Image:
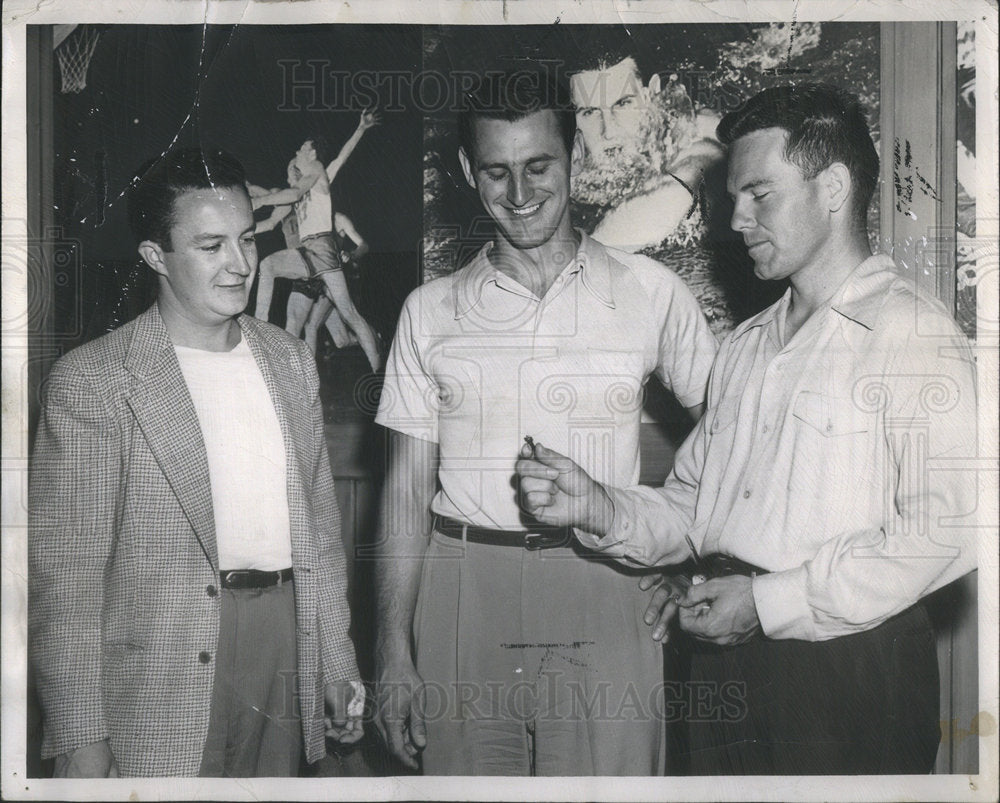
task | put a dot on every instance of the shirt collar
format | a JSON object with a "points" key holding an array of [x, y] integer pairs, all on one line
{"points": [[766, 317], [596, 265], [591, 261], [467, 287], [858, 299], [863, 292]]}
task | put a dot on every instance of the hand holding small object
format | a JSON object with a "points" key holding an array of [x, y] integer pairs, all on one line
{"points": [[556, 491]]}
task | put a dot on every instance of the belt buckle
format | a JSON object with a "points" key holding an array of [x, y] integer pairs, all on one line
{"points": [[535, 541], [227, 578]]}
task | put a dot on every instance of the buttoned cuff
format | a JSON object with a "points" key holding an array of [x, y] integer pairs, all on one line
{"points": [[611, 544], [606, 545], [782, 605], [619, 542]]}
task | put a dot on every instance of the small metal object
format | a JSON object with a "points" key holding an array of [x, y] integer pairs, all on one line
{"points": [[698, 563], [531, 444]]}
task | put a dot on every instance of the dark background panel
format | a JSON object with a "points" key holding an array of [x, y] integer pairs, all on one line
{"points": [[258, 92]]}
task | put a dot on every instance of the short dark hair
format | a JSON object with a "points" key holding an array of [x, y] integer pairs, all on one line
{"points": [[321, 145], [600, 48], [512, 95], [825, 124], [162, 179]]}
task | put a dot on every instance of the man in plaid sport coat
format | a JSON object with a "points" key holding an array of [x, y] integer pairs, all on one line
{"points": [[144, 484]]}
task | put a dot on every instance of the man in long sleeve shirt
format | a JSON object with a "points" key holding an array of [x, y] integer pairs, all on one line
{"points": [[823, 493]]}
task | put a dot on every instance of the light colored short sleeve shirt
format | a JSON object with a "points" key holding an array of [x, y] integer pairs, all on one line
{"points": [[246, 457], [479, 362]]}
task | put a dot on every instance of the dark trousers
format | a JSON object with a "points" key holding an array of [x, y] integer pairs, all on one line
{"points": [[254, 727], [867, 703]]}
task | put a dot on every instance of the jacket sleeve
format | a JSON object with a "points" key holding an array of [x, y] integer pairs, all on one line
{"points": [[337, 656], [74, 486]]}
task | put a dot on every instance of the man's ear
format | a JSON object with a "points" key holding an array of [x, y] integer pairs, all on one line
{"points": [[837, 182], [152, 255], [653, 87], [467, 168], [577, 154]]}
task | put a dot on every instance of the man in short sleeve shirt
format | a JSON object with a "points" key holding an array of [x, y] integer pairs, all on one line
{"points": [[529, 657]]}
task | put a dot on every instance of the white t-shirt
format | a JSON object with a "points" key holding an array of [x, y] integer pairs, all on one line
{"points": [[246, 457]]}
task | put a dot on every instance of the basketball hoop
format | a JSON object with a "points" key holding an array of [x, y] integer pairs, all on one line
{"points": [[74, 54]]}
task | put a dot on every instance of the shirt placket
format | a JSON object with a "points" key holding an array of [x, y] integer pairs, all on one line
{"points": [[779, 381], [543, 335], [767, 363]]}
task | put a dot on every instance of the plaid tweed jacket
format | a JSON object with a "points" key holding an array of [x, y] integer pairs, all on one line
{"points": [[122, 550]]}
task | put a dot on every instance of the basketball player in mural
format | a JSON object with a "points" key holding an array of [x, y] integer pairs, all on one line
{"points": [[318, 253], [310, 308]]}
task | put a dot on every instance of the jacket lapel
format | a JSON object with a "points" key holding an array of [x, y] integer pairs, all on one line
{"points": [[162, 406]]}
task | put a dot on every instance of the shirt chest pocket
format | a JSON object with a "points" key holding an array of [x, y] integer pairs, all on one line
{"points": [[832, 453], [724, 416], [830, 416]]}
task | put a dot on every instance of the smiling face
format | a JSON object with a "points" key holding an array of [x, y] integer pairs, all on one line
{"points": [[781, 213], [522, 173], [613, 109], [205, 279]]}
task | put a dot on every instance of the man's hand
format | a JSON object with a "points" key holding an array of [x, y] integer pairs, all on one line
{"points": [[93, 760], [556, 491], [721, 611], [665, 602], [343, 721], [369, 119], [398, 717]]}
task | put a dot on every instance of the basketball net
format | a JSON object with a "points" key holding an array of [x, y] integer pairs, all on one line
{"points": [[74, 57]]}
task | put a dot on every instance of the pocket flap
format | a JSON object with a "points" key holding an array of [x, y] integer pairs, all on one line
{"points": [[831, 416], [725, 415]]}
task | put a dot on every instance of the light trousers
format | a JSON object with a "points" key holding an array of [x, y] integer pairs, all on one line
{"points": [[536, 663]]}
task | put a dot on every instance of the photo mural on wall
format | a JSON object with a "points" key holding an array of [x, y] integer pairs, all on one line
{"points": [[648, 100]]}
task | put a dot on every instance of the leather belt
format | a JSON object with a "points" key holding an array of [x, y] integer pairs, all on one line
{"points": [[253, 578], [539, 538]]}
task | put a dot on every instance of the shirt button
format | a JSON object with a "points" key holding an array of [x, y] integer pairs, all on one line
{"points": [[204, 657], [211, 591], [746, 494], [766, 428]]}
